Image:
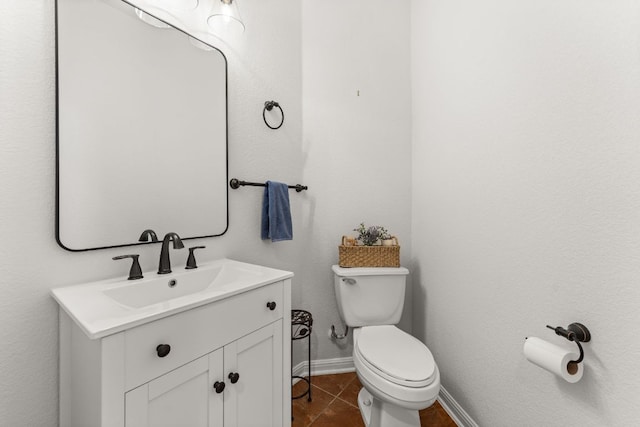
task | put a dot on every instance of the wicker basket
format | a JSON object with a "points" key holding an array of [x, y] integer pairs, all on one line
{"points": [[369, 256]]}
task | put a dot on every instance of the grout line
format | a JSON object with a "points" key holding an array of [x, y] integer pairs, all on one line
{"points": [[348, 403], [321, 389], [335, 397], [322, 412], [330, 393], [343, 390]]}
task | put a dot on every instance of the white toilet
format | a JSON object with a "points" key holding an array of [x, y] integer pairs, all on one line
{"points": [[397, 371]]}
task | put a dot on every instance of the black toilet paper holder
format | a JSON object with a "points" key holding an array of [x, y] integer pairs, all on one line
{"points": [[575, 332]]}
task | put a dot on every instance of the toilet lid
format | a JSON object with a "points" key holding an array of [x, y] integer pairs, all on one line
{"points": [[396, 355]]}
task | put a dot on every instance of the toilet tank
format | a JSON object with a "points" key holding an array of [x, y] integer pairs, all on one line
{"points": [[370, 296]]}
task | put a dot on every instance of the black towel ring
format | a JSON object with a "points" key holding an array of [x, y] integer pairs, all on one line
{"points": [[268, 106]]}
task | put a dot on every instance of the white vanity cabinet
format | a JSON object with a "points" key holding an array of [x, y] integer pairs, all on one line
{"points": [[238, 385], [180, 397], [225, 363]]}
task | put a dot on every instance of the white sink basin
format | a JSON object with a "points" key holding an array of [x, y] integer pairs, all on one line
{"points": [[161, 288], [109, 306], [165, 287]]}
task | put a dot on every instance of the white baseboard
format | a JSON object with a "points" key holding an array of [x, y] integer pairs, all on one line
{"points": [[338, 365], [455, 411], [345, 364]]}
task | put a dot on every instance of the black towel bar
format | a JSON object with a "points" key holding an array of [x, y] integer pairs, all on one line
{"points": [[236, 183]]}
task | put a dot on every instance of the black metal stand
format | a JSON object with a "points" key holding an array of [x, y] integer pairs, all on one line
{"points": [[301, 324]]}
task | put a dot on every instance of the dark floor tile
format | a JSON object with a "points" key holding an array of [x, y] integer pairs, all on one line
{"points": [[339, 413], [300, 387], [436, 416], [350, 392], [304, 412], [333, 384], [325, 410]]}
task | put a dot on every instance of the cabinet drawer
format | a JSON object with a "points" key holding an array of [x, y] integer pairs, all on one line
{"points": [[196, 332]]}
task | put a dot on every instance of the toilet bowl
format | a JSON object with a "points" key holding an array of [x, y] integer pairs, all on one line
{"points": [[398, 374]]}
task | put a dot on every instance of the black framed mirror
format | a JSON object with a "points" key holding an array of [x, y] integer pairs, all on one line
{"points": [[141, 129]]}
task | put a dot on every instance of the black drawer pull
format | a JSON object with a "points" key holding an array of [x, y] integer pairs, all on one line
{"points": [[218, 386], [163, 350], [271, 305], [234, 377]]}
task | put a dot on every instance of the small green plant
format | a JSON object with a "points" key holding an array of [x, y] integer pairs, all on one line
{"points": [[369, 236], [384, 233]]}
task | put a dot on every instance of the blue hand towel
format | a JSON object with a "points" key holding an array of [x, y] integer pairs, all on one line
{"points": [[276, 213]]}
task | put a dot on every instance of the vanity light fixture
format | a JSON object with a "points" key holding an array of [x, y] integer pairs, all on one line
{"points": [[197, 18], [145, 17], [224, 18]]}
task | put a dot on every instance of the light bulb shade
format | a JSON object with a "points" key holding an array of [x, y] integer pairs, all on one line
{"points": [[224, 18], [177, 5]]}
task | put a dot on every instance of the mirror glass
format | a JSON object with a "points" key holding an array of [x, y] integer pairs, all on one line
{"points": [[141, 129]]}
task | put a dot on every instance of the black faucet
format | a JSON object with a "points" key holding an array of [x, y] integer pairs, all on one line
{"points": [[146, 234], [165, 263]]}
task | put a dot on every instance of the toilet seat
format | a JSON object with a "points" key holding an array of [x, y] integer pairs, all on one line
{"points": [[395, 356]]}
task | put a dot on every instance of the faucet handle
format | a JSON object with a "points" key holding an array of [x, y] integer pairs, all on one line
{"points": [[191, 260], [136, 271]]}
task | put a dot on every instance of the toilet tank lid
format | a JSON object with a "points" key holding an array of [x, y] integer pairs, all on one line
{"points": [[368, 271]]}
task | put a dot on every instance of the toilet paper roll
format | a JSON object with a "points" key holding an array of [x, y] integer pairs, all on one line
{"points": [[553, 358]]}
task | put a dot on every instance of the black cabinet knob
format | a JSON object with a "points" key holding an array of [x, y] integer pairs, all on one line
{"points": [[271, 305], [163, 350], [218, 386], [234, 377]]}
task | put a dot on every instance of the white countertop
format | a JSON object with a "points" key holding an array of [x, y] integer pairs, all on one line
{"points": [[109, 306]]}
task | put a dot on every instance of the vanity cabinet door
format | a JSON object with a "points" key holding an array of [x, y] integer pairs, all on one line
{"points": [[255, 398], [182, 397]]}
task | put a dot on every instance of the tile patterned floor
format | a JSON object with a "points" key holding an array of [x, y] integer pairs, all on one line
{"points": [[335, 404]]}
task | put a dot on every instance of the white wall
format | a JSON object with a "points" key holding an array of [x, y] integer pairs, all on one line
{"points": [[526, 202], [264, 65], [354, 157], [357, 139]]}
